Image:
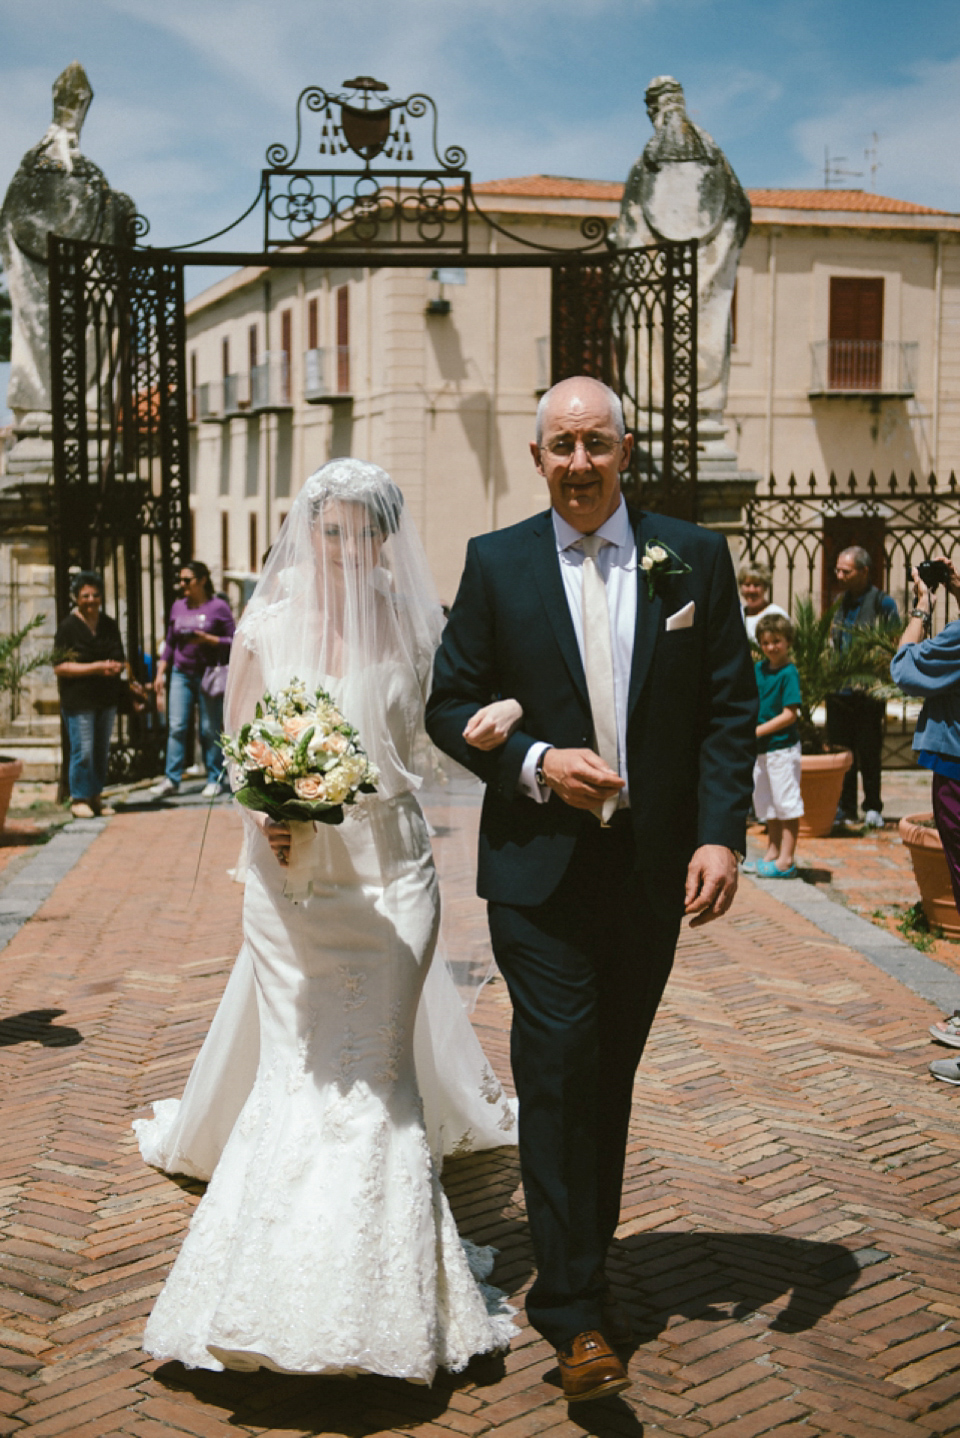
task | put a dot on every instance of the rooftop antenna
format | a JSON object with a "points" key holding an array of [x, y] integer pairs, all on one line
{"points": [[872, 161], [833, 169]]}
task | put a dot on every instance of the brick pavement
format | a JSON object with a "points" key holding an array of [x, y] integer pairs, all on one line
{"points": [[788, 1244], [869, 870]]}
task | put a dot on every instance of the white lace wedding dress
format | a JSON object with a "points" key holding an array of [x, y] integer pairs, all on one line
{"points": [[324, 1242]]}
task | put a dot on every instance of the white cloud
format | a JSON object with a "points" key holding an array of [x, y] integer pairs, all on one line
{"points": [[917, 122]]}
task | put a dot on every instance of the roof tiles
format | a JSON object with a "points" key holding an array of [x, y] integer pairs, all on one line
{"points": [[563, 187]]}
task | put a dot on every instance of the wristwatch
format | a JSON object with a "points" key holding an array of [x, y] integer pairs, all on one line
{"points": [[538, 773], [925, 614]]}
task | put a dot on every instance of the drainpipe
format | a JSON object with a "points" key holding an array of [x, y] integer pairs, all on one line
{"points": [[771, 345], [494, 388], [937, 335]]}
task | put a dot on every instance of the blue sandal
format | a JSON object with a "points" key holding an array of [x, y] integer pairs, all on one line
{"points": [[767, 869]]}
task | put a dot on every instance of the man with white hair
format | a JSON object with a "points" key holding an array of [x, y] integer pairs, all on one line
{"points": [[855, 719], [615, 805]]}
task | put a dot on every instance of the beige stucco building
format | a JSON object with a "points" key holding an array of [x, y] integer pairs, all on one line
{"points": [[846, 356]]}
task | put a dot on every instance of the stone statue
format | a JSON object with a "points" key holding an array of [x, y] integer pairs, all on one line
{"points": [[683, 188], [55, 189]]}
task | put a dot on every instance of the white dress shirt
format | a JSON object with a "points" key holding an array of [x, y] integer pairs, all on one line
{"points": [[617, 562]]}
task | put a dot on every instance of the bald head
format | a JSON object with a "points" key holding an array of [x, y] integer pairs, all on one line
{"points": [[580, 391], [581, 450]]}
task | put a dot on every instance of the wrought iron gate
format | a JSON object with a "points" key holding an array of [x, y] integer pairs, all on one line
{"points": [[630, 319], [119, 499], [119, 494]]}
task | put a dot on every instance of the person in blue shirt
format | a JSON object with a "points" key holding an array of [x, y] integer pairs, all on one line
{"points": [[855, 719], [777, 801], [928, 667]]}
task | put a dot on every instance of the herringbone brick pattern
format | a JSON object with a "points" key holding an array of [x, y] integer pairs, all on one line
{"points": [[788, 1239]]}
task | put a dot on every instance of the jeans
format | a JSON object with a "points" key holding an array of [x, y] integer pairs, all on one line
{"points": [[184, 692], [89, 733]]}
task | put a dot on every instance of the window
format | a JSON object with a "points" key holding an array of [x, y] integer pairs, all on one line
{"points": [[193, 386], [254, 547], [253, 350], [856, 333], [343, 340], [286, 347], [225, 356], [313, 325], [224, 542]]}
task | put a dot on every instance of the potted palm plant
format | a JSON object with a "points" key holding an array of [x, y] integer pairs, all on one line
{"points": [[862, 663], [14, 668]]}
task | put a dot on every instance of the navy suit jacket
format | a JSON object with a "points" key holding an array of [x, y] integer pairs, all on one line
{"points": [[692, 708]]}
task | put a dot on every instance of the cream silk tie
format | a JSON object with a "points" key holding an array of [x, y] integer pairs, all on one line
{"points": [[598, 663]]}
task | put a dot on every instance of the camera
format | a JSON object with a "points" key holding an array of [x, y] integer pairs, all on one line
{"points": [[933, 572]]}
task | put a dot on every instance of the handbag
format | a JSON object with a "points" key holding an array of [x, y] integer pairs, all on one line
{"points": [[213, 681]]}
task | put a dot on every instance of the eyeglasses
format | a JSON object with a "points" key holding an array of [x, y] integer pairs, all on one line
{"points": [[595, 446]]}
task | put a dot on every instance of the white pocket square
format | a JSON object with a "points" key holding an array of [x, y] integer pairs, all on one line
{"points": [[683, 619]]}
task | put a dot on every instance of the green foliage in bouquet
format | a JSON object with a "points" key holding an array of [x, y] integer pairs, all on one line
{"points": [[301, 760]]}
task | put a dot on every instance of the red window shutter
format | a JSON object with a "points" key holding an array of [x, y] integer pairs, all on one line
{"points": [[343, 340], [856, 333], [313, 325]]}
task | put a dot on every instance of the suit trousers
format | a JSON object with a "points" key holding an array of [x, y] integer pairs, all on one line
{"points": [[585, 971], [855, 720]]}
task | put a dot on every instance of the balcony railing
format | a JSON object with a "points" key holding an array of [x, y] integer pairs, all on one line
{"points": [[270, 383], [206, 402], [327, 375], [863, 367], [236, 394]]}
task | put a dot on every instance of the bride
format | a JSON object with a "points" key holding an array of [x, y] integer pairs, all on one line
{"points": [[324, 1242]]}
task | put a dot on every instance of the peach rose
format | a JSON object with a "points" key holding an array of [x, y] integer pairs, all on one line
{"points": [[311, 787], [262, 755], [294, 727]]}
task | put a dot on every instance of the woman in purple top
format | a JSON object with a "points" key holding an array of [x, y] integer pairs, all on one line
{"points": [[199, 634]]}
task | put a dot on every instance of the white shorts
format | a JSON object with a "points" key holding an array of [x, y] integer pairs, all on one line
{"points": [[776, 785]]}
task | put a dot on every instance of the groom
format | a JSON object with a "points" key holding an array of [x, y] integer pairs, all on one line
{"points": [[615, 807]]}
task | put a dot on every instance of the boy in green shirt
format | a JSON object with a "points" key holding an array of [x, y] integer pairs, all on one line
{"points": [[776, 775]]}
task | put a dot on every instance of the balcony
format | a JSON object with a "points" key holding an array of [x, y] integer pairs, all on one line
{"points": [[236, 394], [206, 403], [327, 375], [875, 369], [270, 385]]}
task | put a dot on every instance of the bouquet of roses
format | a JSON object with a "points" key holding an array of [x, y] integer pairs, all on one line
{"points": [[300, 758]]}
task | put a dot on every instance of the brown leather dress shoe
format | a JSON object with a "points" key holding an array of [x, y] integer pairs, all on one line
{"points": [[589, 1368]]}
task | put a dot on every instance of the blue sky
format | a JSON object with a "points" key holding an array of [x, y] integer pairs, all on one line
{"points": [[188, 93]]}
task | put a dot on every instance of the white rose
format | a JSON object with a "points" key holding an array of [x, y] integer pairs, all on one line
{"points": [[646, 562], [657, 553]]}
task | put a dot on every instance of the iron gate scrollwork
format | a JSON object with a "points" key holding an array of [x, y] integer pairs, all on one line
{"points": [[120, 438], [629, 318]]}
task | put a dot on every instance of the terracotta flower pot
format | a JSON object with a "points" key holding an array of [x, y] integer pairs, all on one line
{"points": [[931, 873], [821, 780], [10, 771]]}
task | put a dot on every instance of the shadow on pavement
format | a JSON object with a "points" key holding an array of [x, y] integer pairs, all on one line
{"points": [[36, 1026], [719, 1276], [352, 1407]]}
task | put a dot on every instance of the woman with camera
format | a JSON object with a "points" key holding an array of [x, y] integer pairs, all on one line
{"points": [[928, 666]]}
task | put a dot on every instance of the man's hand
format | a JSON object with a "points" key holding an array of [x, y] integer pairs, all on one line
{"points": [[711, 883], [580, 777], [492, 725]]}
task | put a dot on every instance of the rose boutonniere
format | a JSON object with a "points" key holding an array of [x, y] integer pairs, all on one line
{"points": [[658, 562]]}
